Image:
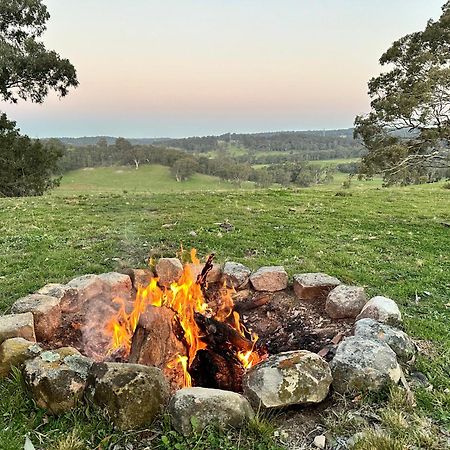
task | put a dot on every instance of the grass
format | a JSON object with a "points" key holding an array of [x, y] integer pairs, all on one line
{"points": [[393, 241], [148, 179]]}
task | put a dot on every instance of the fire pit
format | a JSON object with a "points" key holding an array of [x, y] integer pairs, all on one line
{"points": [[158, 331]]}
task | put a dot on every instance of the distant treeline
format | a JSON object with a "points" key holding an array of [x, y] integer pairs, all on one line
{"points": [[183, 164]]}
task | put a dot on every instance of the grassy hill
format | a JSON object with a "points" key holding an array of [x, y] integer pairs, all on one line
{"points": [[392, 241], [149, 178]]}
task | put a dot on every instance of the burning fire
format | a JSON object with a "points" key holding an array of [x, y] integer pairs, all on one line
{"points": [[185, 297]]}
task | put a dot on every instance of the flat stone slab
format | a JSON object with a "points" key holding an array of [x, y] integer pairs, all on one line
{"points": [[345, 301], [362, 365], [381, 309], [17, 325], [311, 286], [193, 409], [289, 378], [270, 279]]}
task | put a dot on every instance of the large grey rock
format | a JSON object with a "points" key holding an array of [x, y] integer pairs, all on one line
{"points": [[270, 278], [14, 352], [116, 285], [289, 378], [168, 270], [236, 275], [362, 364], [46, 311], [311, 286], [398, 340], [345, 301], [17, 325], [57, 379], [193, 409], [132, 394], [382, 309]]}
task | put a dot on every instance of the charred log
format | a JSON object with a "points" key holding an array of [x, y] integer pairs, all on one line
{"points": [[157, 342]]}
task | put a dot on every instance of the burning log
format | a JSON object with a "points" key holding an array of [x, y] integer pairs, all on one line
{"points": [[218, 334], [157, 341], [217, 371]]}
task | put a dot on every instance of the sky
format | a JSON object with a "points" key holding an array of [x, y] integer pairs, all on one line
{"points": [[173, 68]]}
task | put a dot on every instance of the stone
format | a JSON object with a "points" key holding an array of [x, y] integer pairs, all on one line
{"points": [[17, 325], [14, 352], [116, 285], [168, 270], [214, 275], [312, 286], [236, 275], [68, 296], [271, 279], [398, 340], [382, 309], [57, 379], [140, 278], [362, 365], [289, 378], [132, 394], [46, 311], [320, 441], [345, 301], [193, 409], [85, 288]]}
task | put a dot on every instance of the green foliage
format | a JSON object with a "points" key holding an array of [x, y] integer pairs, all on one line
{"points": [[184, 168], [26, 166], [407, 131], [27, 69]]}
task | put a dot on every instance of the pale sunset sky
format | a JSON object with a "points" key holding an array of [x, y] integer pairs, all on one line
{"points": [[153, 68]]}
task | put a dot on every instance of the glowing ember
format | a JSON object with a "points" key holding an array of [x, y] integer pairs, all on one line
{"points": [[185, 297]]}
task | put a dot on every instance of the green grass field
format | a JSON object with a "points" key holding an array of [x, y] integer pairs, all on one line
{"points": [[395, 242], [148, 179]]}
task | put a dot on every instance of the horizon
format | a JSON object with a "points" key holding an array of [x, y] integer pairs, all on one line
{"points": [[202, 68]]}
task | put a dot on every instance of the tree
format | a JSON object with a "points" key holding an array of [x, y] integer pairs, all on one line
{"points": [[28, 71], [26, 166], [407, 131], [184, 168]]}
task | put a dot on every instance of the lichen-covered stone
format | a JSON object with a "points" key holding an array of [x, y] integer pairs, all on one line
{"points": [[193, 409], [236, 275], [57, 379], [46, 311], [289, 378], [362, 365], [314, 286], [398, 340], [381, 309], [168, 270], [17, 325], [270, 278], [345, 301], [132, 394], [116, 285], [14, 352]]}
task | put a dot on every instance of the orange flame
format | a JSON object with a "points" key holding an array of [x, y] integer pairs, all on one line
{"points": [[186, 298]]}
